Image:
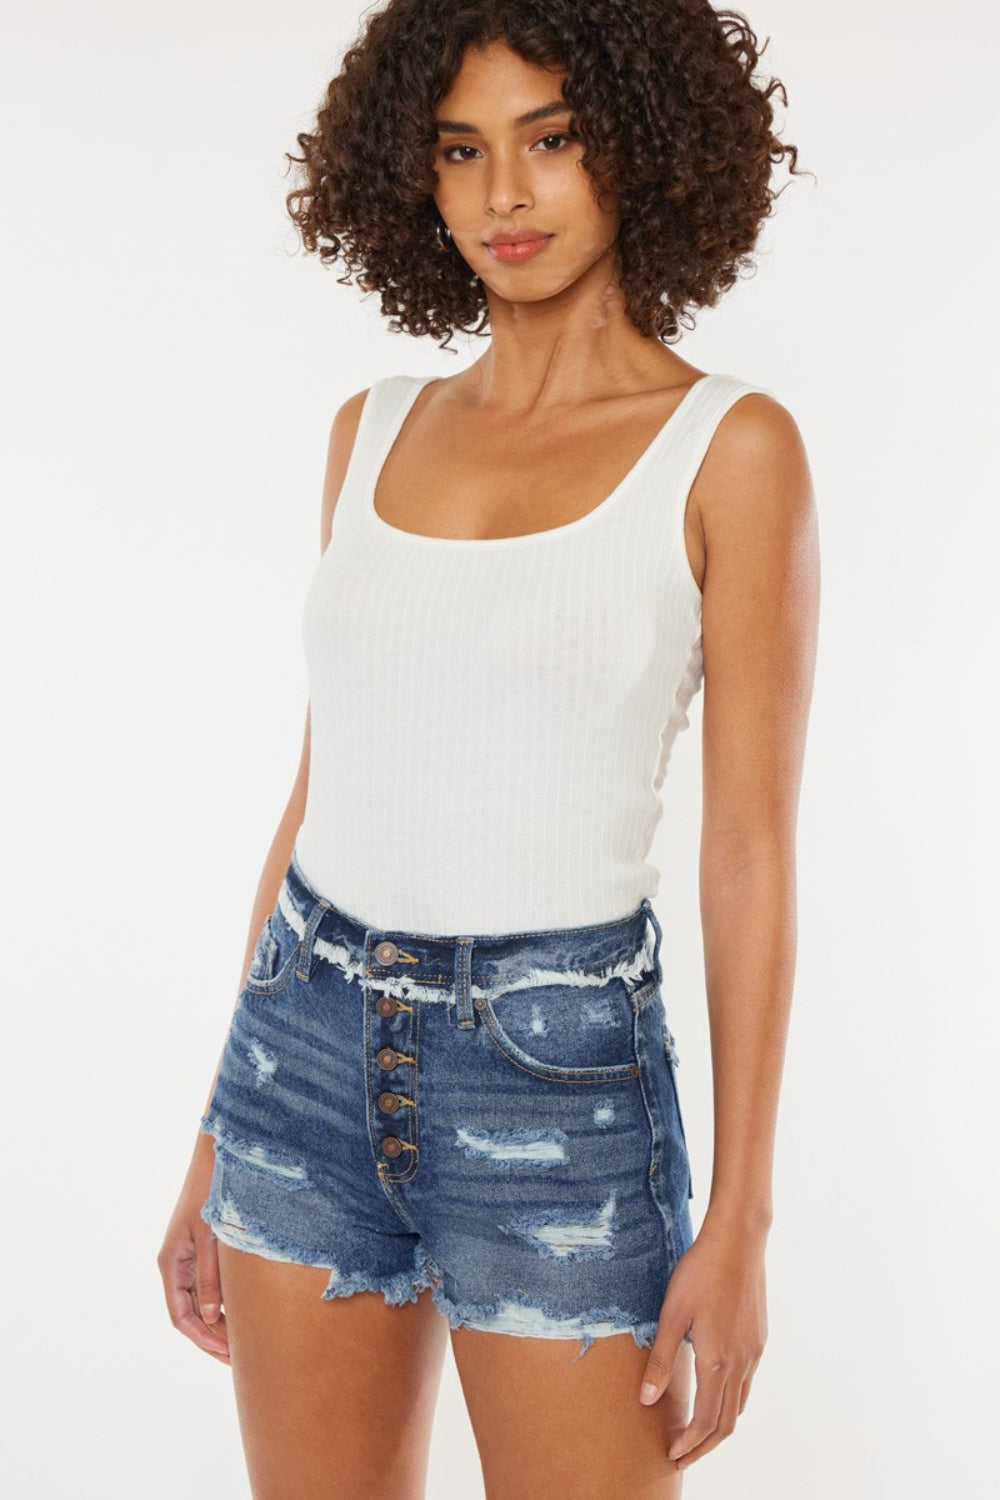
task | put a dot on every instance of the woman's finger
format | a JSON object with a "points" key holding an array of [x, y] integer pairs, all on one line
{"points": [[660, 1364], [725, 1425], [208, 1288], [747, 1383], [213, 1340], [179, 1270], [711, 1376]]}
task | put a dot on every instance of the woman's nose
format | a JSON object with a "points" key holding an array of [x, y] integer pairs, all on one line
{"points": [[506, 188]]}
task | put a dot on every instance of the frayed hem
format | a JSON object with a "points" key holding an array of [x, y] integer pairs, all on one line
{"points": [[404, 1286], [519, 1317]]}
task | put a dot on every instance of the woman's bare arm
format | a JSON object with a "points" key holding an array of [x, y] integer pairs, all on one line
{"points": [[759, 626], [754, 504]]}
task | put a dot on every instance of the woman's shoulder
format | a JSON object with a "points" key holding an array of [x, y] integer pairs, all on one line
{"points": [[745, 421], [755, 459], [753, 413]]}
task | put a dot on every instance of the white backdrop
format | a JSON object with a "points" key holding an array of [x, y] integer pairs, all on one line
{"points": [[170, 365]]}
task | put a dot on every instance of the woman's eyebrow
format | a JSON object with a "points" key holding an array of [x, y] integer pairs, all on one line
{"points": [[462, 127]]}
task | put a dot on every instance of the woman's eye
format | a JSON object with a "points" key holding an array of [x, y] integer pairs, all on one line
{"points": [[552, 138], [449, 150], [448, 156]]}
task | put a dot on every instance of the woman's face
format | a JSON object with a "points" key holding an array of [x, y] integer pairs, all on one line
{"points": [[498, 173]]}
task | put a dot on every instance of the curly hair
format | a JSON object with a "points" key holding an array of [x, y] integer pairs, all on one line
{"points": [[662, 95]]}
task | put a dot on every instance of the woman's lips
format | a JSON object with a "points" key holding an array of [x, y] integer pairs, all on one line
{"points": [[519, 250]]}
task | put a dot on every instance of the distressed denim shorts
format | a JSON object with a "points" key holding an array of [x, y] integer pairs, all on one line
{"points": [[495, 1118]]}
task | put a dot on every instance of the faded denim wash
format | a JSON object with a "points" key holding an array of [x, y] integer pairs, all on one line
{"points": [[493, 1117]]}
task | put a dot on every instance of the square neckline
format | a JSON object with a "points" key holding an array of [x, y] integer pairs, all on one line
{"points": [[602, 508]]}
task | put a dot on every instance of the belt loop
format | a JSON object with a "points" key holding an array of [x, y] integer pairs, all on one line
{"points": [[304, 966], [463, 982], [651, 914]]}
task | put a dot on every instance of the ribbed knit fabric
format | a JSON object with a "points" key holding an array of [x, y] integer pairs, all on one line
{"points": [[491, 720]]}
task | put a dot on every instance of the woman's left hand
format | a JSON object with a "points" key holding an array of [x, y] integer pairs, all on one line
{"points": [[717, 1297]]}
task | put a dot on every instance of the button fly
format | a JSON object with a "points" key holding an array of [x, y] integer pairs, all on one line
{"points": [[392, 1146], [386, 1005], [386, 952], [388, 1103], [387, 1058]]}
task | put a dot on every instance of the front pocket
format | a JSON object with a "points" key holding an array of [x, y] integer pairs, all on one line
{"points": [[567, 1033], [274, 957]]}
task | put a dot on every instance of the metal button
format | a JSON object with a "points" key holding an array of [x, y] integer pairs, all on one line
{"points": [[386, 952], [389, 1103], [386, 1058], [480, 1003], [391, 1146], [386, 1005]]}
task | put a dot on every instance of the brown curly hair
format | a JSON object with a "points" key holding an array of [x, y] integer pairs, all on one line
{"points": [[661, 94]]}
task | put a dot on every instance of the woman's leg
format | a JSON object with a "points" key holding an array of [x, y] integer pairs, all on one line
{"points": [[335, 1398], [549, 1429]]}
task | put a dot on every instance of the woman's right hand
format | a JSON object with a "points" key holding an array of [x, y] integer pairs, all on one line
{"points": [[188, 1261]]}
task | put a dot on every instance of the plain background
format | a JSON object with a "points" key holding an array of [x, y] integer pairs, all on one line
{"points": [[171, 362]]}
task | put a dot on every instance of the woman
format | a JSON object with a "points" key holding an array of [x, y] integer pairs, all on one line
{"points": [[448, 1086]]}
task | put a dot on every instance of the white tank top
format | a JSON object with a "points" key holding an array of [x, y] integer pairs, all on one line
{"points": [[491, 719]]}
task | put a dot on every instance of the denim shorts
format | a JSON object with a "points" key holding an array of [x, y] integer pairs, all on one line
{"points": [[495, 1118]]}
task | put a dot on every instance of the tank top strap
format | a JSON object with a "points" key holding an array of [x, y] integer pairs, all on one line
{"points": [[710, 400], [385, 406]]}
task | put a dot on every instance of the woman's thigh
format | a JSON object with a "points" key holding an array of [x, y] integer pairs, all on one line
{"points": [[335, 1397], [549, 1429]]}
